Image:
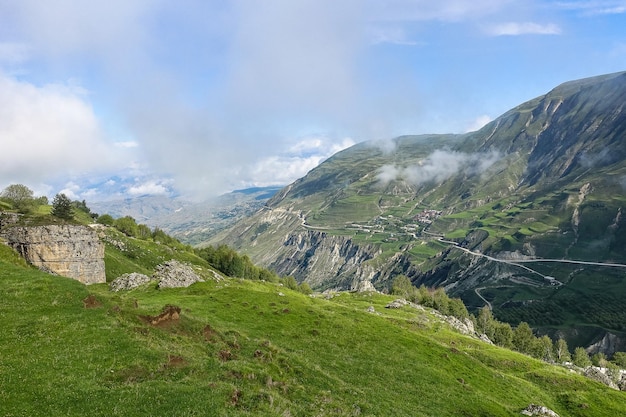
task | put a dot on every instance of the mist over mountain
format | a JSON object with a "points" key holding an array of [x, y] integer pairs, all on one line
{"points": [[494, 216], [191, 222]]}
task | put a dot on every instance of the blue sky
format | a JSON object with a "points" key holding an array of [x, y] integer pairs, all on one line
{"points": [[198, 97]]}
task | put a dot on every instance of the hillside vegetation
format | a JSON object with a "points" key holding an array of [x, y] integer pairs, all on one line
{"points": [[545, 181], [242, 347]]}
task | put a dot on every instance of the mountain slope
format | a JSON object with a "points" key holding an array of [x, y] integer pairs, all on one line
{"points": [[242, 348], [545, 180]]}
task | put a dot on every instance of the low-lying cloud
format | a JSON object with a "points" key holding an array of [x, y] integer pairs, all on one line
{"points": [[438, 167]]}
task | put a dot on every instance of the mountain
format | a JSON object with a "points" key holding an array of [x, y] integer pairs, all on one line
{"points": [[190, 222], [498, 217]]}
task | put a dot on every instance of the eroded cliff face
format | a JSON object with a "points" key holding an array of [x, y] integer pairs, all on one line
{"points": [[336, 262], [324, 261], [67, 250]]}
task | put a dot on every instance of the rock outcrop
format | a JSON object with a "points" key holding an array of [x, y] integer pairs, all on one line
{"points": [[170, 274], [326, 261], [173, 274], [68, 250], [130, 281], [539, 411]]}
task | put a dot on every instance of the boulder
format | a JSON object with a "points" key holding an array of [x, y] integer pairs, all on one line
{"points": [[129, 281], [596, 373], [399, 303], [538, 410], [173, 274]]}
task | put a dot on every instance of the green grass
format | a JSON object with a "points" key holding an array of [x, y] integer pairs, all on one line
{"points": [[242, 349], [125, 254]]}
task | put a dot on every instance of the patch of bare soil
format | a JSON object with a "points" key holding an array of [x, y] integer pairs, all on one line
{"points": [[210, 335], [91, 302], [169, 315], [174, 361]]}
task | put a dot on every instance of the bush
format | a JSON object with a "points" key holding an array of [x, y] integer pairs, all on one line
{"points": [[126, 225], [106, 219]]}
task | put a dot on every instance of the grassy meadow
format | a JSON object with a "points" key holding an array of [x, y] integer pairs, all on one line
{"points": [[250, 348]]}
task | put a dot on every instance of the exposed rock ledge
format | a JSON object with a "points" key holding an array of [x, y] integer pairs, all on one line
{"points": [[69, 250]]}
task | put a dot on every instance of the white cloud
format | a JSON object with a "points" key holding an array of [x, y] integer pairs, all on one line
{"points": [[151, 187], [438, 167], [71, 190], [478, 123], [524, 28], [127, 144], [594, 7], [302, 157], [47, 132]]}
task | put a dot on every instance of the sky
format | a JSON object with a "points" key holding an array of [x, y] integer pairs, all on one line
{"points": [[193, 98]]}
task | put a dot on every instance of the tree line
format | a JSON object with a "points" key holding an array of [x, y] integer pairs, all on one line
{"points": [[22, 199], [521, 338]]}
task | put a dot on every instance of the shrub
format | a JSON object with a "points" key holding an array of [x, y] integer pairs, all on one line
{"points": [[106, 219], [126, 225]]}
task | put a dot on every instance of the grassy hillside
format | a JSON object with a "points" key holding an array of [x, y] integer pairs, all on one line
{"points": [[257, 349]]}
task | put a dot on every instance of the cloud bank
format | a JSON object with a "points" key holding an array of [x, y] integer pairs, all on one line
{"points": [[438, 167]]}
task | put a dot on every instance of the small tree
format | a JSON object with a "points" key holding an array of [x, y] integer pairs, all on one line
{"points": [[62, 207], [290, 282], [502, 334], [542, 348], [20, 196], [561, 351], [599, 359], [485, 322], [620, 359], [523, 338], [581, 358], [143, 232], [401, 286]]}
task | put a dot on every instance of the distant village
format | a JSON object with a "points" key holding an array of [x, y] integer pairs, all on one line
{"points": [[396, 227]]}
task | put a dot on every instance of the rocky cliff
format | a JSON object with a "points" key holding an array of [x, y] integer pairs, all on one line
{"points": [[68, 250], [336, 262]]}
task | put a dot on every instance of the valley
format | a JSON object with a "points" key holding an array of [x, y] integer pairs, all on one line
{"points": [[528, 210]]}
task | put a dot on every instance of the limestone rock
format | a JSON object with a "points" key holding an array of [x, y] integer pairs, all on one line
{"points": [[69, 250], [363, 286], [538, 410], [173, 274], [399, 303], [464, 326], [129, 281], [596, 373]]}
